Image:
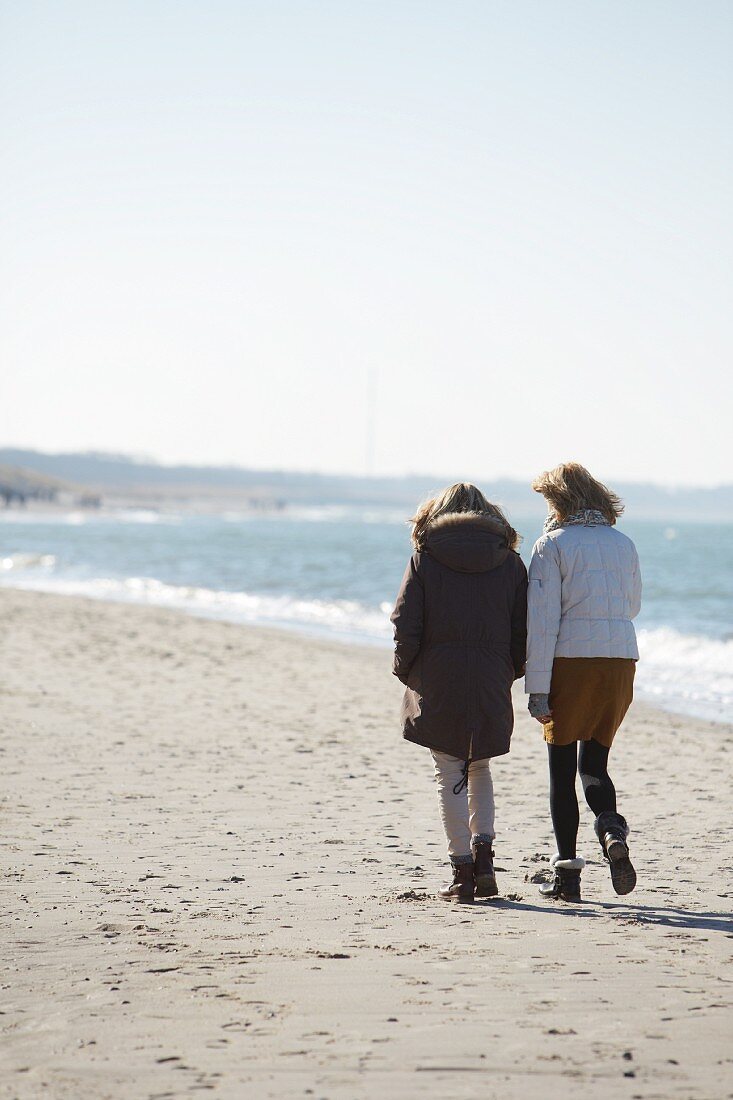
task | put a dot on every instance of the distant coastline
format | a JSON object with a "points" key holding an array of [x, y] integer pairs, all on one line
{"points": [[122, 481]]}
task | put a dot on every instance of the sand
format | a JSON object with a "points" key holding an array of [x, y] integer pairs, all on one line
{"points": [[218, 876]]}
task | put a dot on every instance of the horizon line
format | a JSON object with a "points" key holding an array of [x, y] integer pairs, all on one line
{"points": [[149, 460]]}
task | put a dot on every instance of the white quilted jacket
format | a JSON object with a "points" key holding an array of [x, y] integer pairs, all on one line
{"points": [[584, 590]]}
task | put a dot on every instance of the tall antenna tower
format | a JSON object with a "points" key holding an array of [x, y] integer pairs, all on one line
{"points": [[371, 419]]}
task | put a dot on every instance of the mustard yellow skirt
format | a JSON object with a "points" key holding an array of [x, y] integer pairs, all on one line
{"points": [[589, 697]]}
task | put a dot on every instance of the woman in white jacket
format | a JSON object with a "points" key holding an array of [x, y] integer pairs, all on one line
{"points": [[584, 590]]}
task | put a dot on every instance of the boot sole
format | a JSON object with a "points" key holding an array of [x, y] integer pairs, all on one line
{"points": [[486, 886], [623, 875]]}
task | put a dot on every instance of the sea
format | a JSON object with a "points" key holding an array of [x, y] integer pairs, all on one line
{"points": [[333, 572]]}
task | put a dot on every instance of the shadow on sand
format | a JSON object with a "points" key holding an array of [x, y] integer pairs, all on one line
{"points": [[666, 915]]}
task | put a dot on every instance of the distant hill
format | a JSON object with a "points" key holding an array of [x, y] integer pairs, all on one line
{"points": [[18, 483], [21, 485], [119, 475]]}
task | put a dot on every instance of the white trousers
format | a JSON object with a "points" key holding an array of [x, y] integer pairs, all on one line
{"points": [[470, 812]]}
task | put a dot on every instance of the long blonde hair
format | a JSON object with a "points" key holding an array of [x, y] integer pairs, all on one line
{"points": [[461, 497], [569, 488]]}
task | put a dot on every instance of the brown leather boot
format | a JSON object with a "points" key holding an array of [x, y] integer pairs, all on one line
{"points": [[612, 832], [461, 888], [483, 870]]}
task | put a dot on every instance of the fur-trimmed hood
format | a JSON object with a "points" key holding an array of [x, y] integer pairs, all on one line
{"points": [[467, 542], [460, 628]]}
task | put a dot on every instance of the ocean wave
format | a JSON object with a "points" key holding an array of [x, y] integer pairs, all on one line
{"points": [[335, 513], [346, 619], [27, 561], [305, 513], [80, 518], [141, 515], [31, 516], [687, 673]]}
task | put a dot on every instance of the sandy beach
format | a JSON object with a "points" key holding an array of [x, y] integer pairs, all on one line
{"points": [[215, 879]]}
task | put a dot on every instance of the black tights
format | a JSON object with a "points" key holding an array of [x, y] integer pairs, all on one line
{"points": [[599, 791]]}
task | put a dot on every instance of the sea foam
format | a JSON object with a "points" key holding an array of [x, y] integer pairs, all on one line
{"points": [[687, 673], [343, 619]]}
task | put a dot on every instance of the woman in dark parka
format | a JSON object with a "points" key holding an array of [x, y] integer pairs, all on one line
{"points": [[460, 629]]}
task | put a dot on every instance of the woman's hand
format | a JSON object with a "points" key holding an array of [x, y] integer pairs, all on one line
{"points": [[539, 707]]}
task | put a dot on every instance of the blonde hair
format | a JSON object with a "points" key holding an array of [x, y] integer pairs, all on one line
{"points": [[569, 488], [461, 497]]}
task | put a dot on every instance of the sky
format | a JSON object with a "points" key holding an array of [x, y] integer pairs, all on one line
{"points": [[390, 236]]}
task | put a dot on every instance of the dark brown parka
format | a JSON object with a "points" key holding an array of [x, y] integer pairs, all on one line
{"points": [[460, 629]]}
